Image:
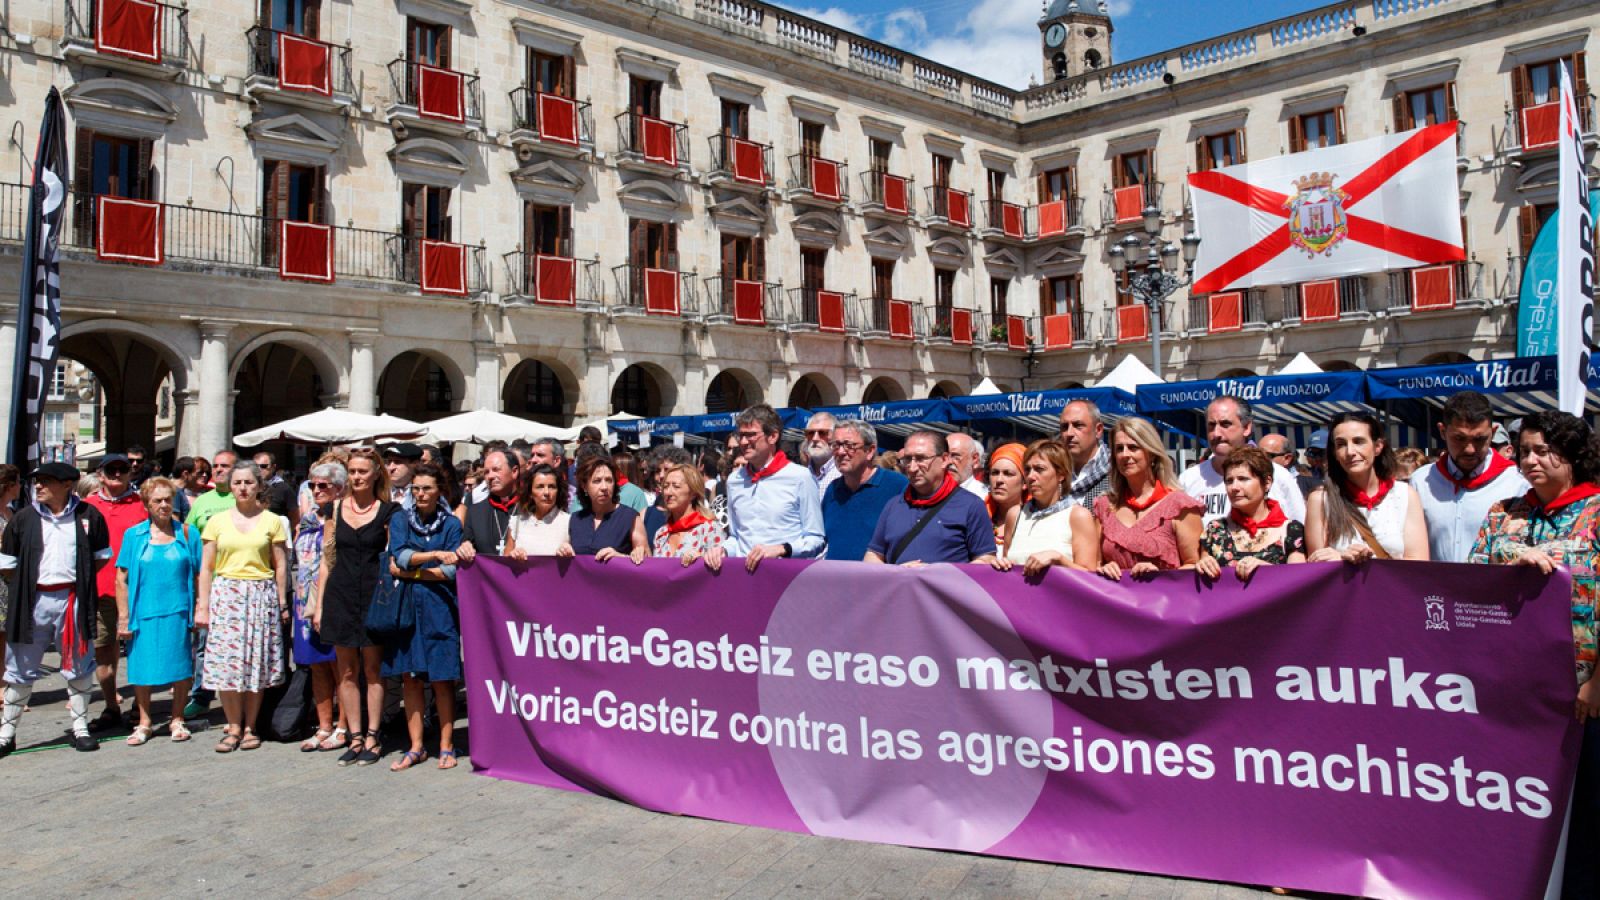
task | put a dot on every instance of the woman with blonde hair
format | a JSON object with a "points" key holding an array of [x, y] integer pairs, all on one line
{"points": [[1147, 523], [1050, 529], [690, 530]]}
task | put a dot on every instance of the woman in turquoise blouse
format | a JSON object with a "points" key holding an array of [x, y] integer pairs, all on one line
{"points": [[156, 572]]}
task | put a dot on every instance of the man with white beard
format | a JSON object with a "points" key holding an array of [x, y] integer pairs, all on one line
{"points": [[819, 451]]}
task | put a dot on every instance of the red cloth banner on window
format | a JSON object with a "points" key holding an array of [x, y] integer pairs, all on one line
{"points": [[558, 120], [1129, 202], [1017, 333], [661, 292], [304, 65], [749, 161], [894, 194], [1058, 331], [1133, 323], [961, 326], [440, 94], [128, 231], [1319, 301], [830, 312], [1541, 125], [900, 319], [305, 251], [1052, 218], [130, 28], [555, 280], [960, 208], [1433, 287], [747, 303], [1011, 220], [444, 268], [825, 179], [1225, 312], [660, 140]]}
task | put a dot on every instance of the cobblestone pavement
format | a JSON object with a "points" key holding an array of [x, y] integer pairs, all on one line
{"points": [[178, 819]]}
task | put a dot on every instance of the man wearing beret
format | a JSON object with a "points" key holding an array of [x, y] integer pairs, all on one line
{"points": [[49, 555], [400, 461]]}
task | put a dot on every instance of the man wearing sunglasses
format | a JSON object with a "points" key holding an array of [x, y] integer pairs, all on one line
{"points": [[819, 451], [119, 504]]}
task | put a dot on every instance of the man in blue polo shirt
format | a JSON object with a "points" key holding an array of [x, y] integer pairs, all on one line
{"points": [[934, 521], [852, 502]]}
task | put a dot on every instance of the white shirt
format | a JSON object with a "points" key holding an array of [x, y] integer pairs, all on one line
{"points": [[1453, 516], [1204, 483], [1387, 521], [825, 476], [58, 563], [540, 537], [1041, 531], [973, 486]]}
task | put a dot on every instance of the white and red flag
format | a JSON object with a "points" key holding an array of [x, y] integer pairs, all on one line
{"points": [[1391, 202]]}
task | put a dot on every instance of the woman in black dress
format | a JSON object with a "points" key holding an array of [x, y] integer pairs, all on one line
{"points": [[351, 569], [1257, 532], [601, 528]]}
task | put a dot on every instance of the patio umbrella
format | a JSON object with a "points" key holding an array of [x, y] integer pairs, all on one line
{"points": [[332, 426]]}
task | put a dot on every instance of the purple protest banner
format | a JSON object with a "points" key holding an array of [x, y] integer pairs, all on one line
{"points": [[1394, 729]]}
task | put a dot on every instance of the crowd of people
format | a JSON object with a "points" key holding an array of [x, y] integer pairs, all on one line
{"points": [[225, 571]]}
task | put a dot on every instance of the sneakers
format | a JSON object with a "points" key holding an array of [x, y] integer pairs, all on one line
{"points": [[196, 709], [84, 743], [6, 746]]}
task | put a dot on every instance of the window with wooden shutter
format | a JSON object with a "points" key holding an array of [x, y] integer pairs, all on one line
{"points": [[1131, 169], [1530, 219], [1311, 131], [551, 74], [882, 279], [998, 289], [810, 140], [996, 183], [944, 295], [301, 17], [548, 230], [813, 268], [1058, 184], [879, 154], [427, 42], [1218, 150], [1425, 106], [941, 170]]}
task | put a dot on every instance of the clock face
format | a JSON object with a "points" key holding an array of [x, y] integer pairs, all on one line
{"points": [[1055, 35]]}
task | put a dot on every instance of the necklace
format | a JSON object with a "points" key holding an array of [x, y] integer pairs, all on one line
{"points": [[363, 510]]}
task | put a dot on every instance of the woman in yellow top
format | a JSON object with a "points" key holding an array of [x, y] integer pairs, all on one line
{"points": [[244, 577]]}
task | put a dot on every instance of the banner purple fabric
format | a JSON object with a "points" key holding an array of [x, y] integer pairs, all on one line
{"points": [[1395, 729]]}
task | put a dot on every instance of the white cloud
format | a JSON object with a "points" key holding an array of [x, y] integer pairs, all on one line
{"points": [[904, 27], [997, 40], [833, 15], [1120, 7]]}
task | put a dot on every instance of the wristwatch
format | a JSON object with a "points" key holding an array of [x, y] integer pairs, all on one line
{"points": [[788, 551]]}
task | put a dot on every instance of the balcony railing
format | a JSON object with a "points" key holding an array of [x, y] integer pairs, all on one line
{"points": [[436, 92], [1326, 301], [264, 62], [1436, 287], [1125, 205], [1537, 127], [743, 302], [643, 290], [953, 325], [652, 140], [1226, 312], [823, 179], [950, 206], [549, 280], [564, 120], [1009, 220], [902, 320], [239, 241], [889, 193], [1057, 218], [170, 46], [824, 311], [740, 161], [1063, 330], [406, 257]]}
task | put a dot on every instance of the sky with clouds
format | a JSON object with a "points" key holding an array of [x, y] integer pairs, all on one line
{"points": [[999, 39]]}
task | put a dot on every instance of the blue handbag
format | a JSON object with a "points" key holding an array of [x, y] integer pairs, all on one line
{"points": [[392, 611]]}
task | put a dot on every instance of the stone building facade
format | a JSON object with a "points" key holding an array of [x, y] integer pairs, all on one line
{"points": [[670, 206]]}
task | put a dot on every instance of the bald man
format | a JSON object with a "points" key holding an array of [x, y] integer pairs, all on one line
{"points": [[966, 456]]}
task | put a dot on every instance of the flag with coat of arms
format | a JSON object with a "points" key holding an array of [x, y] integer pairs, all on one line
{"points": [[1390, 202]]}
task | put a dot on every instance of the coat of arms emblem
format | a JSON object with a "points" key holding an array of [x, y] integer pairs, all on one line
{"points": [[1316, 214]]}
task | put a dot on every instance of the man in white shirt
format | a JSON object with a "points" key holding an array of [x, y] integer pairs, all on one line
{"points": [[819, 451], [1229, 426], [966, 457], [1468, 477], [774, 509]]}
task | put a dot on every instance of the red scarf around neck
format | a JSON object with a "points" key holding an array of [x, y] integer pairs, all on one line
{"points": [[1273, 519], [1369, 503], [779, 460], [1566, 498], [1497, 465], [1137, 505], [944, 491], [689, 520], [502, 505]]}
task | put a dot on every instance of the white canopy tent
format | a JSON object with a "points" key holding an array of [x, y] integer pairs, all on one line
{"points": [[1300, 365], [1128, 375], [333, 426], [986, 388], [481, 426]]}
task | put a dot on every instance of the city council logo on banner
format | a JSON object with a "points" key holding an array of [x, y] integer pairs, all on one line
{"points": [[1434, 605], [1316, 214]]}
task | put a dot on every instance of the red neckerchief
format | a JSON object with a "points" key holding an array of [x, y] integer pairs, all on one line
{"points": [[1567, 497], [1137, 505], [502, 505], [622, 480], [1497, 465], [1361, 499], [685, 522], [1274, 518], [779, 460], [943, 492]]}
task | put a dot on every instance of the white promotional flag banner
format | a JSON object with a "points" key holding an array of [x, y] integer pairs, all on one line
{"points": [[1390, 202], [1574, 262]]}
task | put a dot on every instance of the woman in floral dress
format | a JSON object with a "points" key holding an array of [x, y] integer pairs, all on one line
{"points": [[690, 530], [1257, 532]]}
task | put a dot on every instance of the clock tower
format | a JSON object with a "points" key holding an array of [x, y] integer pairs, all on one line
{"points": [[1073, 39]]}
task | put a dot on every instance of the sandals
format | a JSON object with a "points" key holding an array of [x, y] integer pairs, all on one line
{"points": [[447, 759], [228, 744], [369, 753], [411, 758], [314, 743], [179, 731], [250, 741], [354, 750], [141, 735], [335, 740]]}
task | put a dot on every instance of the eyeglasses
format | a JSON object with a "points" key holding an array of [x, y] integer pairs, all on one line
{"points": [[322, 485], [818, 432], [115, 471], [846, 446], [909, 460], [749, 435]]}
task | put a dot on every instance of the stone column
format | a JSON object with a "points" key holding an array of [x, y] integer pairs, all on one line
{"points": [[363, 383], [188, 402], [215, 388], [486, 379]]}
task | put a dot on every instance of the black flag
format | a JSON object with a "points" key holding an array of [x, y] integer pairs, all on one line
{"points": [[39, 306]]}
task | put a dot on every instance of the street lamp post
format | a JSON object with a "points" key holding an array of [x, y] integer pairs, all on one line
{"points": [[1156, 279]]}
